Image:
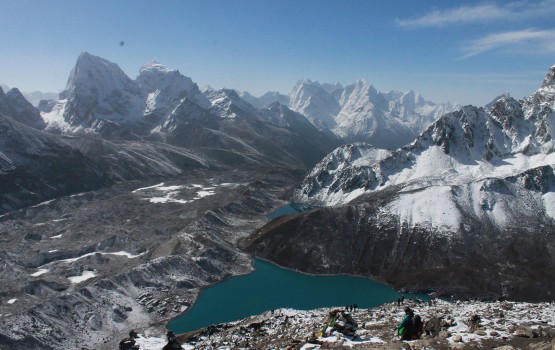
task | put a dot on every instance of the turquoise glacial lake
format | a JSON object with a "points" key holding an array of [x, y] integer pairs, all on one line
{"points": [[272, 287], [291, 208]]}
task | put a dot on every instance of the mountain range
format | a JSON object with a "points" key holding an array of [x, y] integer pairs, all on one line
{"points": [[159, 124], [123, 190], [359, 112], [472, 196]]}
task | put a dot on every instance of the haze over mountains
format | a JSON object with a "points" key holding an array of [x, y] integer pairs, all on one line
{"points": [[122, 187], [34, 97]]}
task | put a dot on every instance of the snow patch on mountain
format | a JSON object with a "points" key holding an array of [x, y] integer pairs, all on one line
{"points": [[431, 206]]}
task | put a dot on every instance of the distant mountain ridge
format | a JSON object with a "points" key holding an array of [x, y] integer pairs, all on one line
{"points": [[34, 97], [358, 112]]}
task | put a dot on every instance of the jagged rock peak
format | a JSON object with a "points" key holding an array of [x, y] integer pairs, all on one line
{"points": [[546, 94], [361, 87], [549, 80], [93, 71]]}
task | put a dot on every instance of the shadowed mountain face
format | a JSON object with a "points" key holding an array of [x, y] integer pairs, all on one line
{"points": [[14, 104], [35, 166], [466, 209]]}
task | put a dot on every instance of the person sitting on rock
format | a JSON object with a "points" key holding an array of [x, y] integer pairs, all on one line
{"points": [[404, 328]]}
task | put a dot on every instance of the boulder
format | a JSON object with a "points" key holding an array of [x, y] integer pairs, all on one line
{"points": [[444, 334]]}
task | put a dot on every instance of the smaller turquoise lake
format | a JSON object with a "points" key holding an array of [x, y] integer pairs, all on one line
{"points": [[291, 208], [271, 287]]}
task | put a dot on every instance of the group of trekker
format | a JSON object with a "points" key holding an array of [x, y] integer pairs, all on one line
{"points": [[411, 327]]}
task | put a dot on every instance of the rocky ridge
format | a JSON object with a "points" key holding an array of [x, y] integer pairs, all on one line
{"points": [[454, 325]]}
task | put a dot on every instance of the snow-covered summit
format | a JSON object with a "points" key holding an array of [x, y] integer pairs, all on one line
{"points": [[266, 99], [98, 93], [164, 88], [316, 103], [545, 96], [228, 104], [155, 76], [92, 75], [359, 112]]}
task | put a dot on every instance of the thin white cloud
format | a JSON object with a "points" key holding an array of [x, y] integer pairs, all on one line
{"points": [[535, 41], [486, 12]]}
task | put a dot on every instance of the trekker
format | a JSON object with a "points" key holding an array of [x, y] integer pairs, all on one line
{"points": [[172, 344], [404, 328]]}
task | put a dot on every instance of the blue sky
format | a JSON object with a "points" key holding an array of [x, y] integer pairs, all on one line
{"points": [[462, 51]]}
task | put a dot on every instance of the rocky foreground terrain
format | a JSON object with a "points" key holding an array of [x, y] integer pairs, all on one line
{"points": [[502, 325]]}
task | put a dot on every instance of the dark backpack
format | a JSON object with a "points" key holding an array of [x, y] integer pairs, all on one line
{"points": [[417, 327], [127, 344]]}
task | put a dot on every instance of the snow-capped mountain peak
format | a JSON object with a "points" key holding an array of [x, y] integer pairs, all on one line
{"points": [[93, 73], [98, 93], [549, 80], [228, 104], [164, 88], [545, 96]]}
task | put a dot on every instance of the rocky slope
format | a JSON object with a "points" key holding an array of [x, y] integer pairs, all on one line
{"points": [[466, 209], [34, 166], [81, 271], [14, 104]]}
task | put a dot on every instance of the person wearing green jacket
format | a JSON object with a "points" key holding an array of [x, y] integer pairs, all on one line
{"points": [[404, 328]]}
